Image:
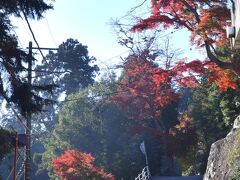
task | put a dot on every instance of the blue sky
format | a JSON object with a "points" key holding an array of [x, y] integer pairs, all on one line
{"points": [[89, 22]]}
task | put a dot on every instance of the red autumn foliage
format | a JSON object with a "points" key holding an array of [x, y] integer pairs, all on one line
{"points": [[207, 21], [224, 78], [74, 165], [147, 87], [146, 92], [178, 138]]}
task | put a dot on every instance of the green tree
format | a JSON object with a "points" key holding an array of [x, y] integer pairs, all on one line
{"points": [[230, 106], [88, 123], [6, 142], [207, 116]]}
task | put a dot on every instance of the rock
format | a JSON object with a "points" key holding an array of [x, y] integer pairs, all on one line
{"points": [[236, 123], [224, 157]]}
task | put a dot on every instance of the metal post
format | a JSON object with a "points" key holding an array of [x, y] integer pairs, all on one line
{"points": [[27, 172], [148, 171], [143, 149], [15, 157]]}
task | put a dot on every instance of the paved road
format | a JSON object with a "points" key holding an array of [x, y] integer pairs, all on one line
{"points": [[178, 178]]}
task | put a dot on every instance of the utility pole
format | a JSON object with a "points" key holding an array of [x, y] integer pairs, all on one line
{"points": [[27, 170], [15, 157]]}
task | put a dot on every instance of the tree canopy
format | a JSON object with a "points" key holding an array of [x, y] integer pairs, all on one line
{"points": [[71, 67], [206, 20], [73, 165], [13, 83]]}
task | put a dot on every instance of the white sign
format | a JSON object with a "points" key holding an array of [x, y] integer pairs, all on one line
{"points": [[142, 148]]}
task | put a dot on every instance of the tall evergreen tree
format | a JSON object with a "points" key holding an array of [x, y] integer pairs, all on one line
{"points": [[206, 114], [71, 67], [13, 82]]}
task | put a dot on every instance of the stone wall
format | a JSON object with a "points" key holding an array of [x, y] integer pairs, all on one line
{"points": [[224, 157]]}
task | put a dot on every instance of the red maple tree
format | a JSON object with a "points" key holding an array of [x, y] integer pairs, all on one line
{"points": [[147, 89], [147, 93], [206, 20], [74, 165]]}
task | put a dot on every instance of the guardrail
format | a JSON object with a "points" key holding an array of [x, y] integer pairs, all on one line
{"points": [[145, 174]]}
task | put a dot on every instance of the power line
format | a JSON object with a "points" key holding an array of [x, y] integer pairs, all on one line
{"points": [[113, 57], [9, 175], [50, 32], [18, 117], [25, 28], [117, 55], [133, 9], [18, 158], [168, 34], [34, 38], [16, 114]]}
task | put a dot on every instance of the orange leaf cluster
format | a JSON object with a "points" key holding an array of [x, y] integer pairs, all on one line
{"points": [[182, 135], [184, 74], [224, 78], [147, 88], [74, 165], [182, 127]]}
